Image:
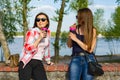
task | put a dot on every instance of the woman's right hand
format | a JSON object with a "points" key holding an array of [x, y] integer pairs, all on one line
{"points": [[73, 36], [43, 34], [72, 30]]}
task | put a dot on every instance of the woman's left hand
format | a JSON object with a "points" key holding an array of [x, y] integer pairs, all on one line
{"points": [[50, 63]]}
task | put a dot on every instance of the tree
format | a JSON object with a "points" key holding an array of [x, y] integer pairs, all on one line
{"points": [[118, 1], [3, 41], [22, 8], [60, 12], [116, 20], [112, 33], [75, 5], [23, 12], [15, 11], [7, 27], [99, 22], [9, 20], [113, 30]]}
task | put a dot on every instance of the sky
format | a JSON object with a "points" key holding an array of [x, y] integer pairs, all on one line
{"points": [[49, 7]]}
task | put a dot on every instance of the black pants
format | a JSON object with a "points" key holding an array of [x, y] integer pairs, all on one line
{"points": [[34, 69]]}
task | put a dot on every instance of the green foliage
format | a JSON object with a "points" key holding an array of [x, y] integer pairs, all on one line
{"points": [[59, 18], [56, 18], [99, 22], [57, 11], [116, 17], [75, 5], [113, 31], [19, 33], [12, 17], [118, 1], [8, 20], [64, 38], [53, 34]]}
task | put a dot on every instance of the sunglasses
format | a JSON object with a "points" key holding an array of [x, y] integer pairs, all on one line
{"points": [[78, 17], [40, 19]]}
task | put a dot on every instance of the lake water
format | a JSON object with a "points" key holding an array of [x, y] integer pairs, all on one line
{"points": [[102, 48]]}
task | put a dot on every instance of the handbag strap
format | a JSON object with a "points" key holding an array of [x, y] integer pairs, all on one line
{"points": [[95, 57], [88, 59], [86, 55]]}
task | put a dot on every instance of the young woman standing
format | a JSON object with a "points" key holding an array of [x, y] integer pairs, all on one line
{"points": [[82, 39], [35, 49]]}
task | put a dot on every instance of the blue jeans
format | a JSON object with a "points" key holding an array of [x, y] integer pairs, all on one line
{"points": [[78, 68]]}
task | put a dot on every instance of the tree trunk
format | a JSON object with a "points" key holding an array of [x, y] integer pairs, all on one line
{"points": [[56, 45], [4, 44], [25, 24]]}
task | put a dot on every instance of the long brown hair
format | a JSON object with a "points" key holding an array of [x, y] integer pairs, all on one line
{"points": [[85, 20], [41, 13]]}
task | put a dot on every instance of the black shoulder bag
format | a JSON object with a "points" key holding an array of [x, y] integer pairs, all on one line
{"points": [[94, 68]]}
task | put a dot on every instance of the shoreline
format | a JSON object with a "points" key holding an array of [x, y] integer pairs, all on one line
{"points": [[100, 58]]}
